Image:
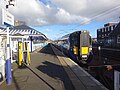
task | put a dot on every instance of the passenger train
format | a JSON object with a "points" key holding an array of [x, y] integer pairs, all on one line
{"points": [[79, 46]]}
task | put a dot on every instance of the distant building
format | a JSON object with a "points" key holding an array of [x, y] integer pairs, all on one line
{"points": [[103, 33], [17, 23], [114, 37]]}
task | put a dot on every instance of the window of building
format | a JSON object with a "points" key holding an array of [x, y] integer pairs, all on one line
{"points": [[109, 28], [99, 36], [102, 36], [98, 30], [118, 39], [103, 30], [105, 34], [113, 26]]}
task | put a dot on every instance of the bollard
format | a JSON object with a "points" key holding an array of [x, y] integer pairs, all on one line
{"points": [[28, 53], [20, 54]]}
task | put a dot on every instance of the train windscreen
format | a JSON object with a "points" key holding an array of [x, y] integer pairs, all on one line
{"points": [[84, 39]]}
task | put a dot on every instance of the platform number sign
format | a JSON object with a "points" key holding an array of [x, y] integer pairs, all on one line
{"points": [[116, 80]]}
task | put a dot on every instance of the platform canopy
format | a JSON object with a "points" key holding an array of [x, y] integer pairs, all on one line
{"points": [[26, 31]]}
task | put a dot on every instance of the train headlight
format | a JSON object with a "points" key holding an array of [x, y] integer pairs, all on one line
{"points": [[90, 49], [84, 56]]}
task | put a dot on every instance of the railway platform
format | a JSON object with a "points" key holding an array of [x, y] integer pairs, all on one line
{"points": [[51, 70]]}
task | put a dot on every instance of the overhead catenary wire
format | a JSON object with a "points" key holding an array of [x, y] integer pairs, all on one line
{"points": [[106, 12], [99, 15]]}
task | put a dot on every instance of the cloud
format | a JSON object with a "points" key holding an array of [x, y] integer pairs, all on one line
{"points": [[52, 12], [65, 17], [48, 30], [30, 11]]}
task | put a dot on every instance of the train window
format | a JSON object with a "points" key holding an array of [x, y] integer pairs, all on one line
{"points": [[85, 39], [90, 41]]}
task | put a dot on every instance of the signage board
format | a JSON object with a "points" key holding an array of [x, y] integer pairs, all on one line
{"points": [[7, 18]]}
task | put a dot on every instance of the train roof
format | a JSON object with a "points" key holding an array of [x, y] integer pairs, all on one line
{"points": [[67, 35], [86, 31]]}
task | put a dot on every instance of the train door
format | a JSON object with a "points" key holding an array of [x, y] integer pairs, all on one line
{"points": [[84, 45]]}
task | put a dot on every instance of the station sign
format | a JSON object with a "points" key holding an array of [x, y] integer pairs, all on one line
{"points": [[7, 18]]}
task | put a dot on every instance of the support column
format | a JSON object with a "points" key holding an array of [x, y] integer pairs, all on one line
{"points": [[8, 61]]}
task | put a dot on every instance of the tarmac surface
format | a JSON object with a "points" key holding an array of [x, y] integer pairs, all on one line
{"points": [[50, 72], [44, 73]]}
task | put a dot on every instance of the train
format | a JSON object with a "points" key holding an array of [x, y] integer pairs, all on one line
{"points": [[79, 46]]}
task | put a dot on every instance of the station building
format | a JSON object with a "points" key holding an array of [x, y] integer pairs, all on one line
{"points": [[16, 34]]}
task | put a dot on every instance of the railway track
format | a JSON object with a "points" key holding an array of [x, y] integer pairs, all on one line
{"points": [[105, 76]]}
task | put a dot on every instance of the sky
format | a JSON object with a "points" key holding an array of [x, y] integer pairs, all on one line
{"points": [[56, 18]]}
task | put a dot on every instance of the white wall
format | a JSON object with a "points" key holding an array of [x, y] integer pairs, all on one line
{"points": [[2, 55]]}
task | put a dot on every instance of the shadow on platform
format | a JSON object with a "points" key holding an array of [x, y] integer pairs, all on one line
{"points": [[56, 72], [48, 50], [1, 77]]}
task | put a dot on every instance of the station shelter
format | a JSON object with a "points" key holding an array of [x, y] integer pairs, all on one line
{"points": [[18, 33]]}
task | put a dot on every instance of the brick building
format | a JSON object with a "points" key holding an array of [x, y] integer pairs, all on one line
{"points": [[103, 33]]}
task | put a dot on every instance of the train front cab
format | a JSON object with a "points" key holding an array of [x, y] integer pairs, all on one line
{"points": [[85, 47]]}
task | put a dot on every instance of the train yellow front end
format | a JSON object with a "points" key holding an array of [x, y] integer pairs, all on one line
{"points": [[84, 53]]}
